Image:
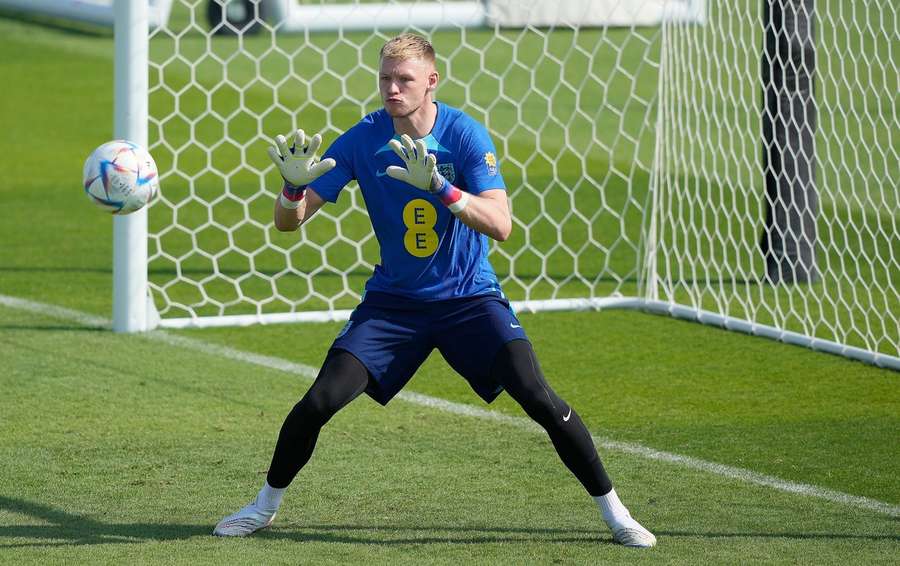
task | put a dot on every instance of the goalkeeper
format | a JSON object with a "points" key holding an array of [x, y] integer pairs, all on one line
{"points": [[433, 189]]}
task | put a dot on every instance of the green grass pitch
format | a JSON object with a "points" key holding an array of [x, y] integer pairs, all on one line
{"points": [[128, 449]]}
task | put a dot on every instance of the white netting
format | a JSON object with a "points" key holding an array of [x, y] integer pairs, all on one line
{"points": [[633, 157], [571, 112], [833, 166]]}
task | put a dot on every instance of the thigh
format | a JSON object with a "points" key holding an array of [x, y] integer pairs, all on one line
{"points": [[342, 378], [391, 344], [470, 338]]}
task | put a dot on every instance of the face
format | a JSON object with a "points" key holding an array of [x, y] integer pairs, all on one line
{"points": [[406, 85]]}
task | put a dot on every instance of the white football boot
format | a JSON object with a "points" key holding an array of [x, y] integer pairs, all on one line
{"points": [[245, 522], [628, 532]]}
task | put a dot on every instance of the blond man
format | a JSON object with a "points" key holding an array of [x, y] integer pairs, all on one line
{"points": [[431, 181]]}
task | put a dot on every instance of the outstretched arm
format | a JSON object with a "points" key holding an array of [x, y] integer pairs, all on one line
{"points": [[487, 213]]}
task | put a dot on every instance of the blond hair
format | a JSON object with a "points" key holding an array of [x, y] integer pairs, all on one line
{"points": [[408, 46]]}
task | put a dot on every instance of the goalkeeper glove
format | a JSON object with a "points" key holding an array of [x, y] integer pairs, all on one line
{"points": [[298, 165], [421, 172]]}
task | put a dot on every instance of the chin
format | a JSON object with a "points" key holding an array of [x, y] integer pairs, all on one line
{"points": [[399, 110]]}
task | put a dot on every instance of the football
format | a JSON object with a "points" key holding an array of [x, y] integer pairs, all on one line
{"points": [[120, 177]]}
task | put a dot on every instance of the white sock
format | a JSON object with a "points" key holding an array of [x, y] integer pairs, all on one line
{"points": [[269, 498], [611, 508]]}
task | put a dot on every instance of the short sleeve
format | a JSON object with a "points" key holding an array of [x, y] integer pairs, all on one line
{"points": [[329, 185], [481, 168]]}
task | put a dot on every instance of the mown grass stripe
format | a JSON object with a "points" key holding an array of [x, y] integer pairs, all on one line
{"points": [[309, 372]]}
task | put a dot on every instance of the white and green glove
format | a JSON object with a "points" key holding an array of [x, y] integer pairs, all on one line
{"points": [[421, 166], [421, 172], [298, 165]]}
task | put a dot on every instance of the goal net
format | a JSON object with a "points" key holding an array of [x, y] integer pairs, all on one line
{"points": [[722, 161]]}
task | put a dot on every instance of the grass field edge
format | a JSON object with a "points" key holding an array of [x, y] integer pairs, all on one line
{"points": [[308, 372]]}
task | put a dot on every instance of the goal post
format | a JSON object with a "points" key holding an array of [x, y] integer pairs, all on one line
{"points": [[133, 311], [634, 155]]}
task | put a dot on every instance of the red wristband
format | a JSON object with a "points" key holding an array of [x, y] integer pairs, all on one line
{"points": [[291, 196], [452, 197]]}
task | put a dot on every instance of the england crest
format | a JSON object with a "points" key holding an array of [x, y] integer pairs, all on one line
{"points": [[447, 171]]}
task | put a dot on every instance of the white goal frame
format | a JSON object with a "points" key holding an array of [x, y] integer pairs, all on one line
{"points": [[133, 311]]}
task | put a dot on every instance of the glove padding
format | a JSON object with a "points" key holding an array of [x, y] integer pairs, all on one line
{"points": [[421, 166], [297, 163]]}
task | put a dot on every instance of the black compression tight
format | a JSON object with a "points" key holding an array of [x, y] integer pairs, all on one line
{"points": [[517, 369], [341, 380]]}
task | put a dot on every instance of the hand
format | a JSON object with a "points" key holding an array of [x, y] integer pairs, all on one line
{"points": [[298, 163], [421, 166]]}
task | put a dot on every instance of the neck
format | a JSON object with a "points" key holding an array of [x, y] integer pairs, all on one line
{"points": [[418, 124]]}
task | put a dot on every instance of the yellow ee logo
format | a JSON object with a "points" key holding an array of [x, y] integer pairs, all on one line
{"points": [[419, 217]]}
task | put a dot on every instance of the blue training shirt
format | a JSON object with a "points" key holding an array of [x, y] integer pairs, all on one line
{"points": [[426, 252]]}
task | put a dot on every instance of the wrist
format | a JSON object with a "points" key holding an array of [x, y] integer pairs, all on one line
{"points": [[452, 197], [291, 195]]}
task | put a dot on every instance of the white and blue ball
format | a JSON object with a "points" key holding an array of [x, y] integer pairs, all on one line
{"points": [[121, 177]]}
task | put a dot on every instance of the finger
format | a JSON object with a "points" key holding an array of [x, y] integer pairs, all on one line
{"points": [[314, 144], [322, 167], [398, 149], [422, 151], [408, 145], [282, 146], [299, 141], [398, 173], [273, 154], [430, 166]]}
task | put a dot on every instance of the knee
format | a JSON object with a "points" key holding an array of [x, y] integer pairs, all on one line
{"points": [[544, 407], [517, 369], [316, 408], [310, 412]]}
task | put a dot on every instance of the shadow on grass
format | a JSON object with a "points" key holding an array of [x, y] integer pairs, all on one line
{"points": [[60, 269], [486, 534], [59, 24], [53, 328], [792, 536], [390, 535], [72, 529]]}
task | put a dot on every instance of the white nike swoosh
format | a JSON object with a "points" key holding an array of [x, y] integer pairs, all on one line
{"points": [[566, 418], [380, 173], [511, 325]]}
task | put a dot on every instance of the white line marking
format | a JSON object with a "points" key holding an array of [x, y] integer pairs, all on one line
{"points": [[54, 311], [309, 372]]}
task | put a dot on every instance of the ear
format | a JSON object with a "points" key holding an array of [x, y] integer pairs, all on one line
{"points": [[433, 78]]}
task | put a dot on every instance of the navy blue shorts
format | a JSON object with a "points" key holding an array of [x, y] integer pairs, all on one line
{"points": [[392, 336]]}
